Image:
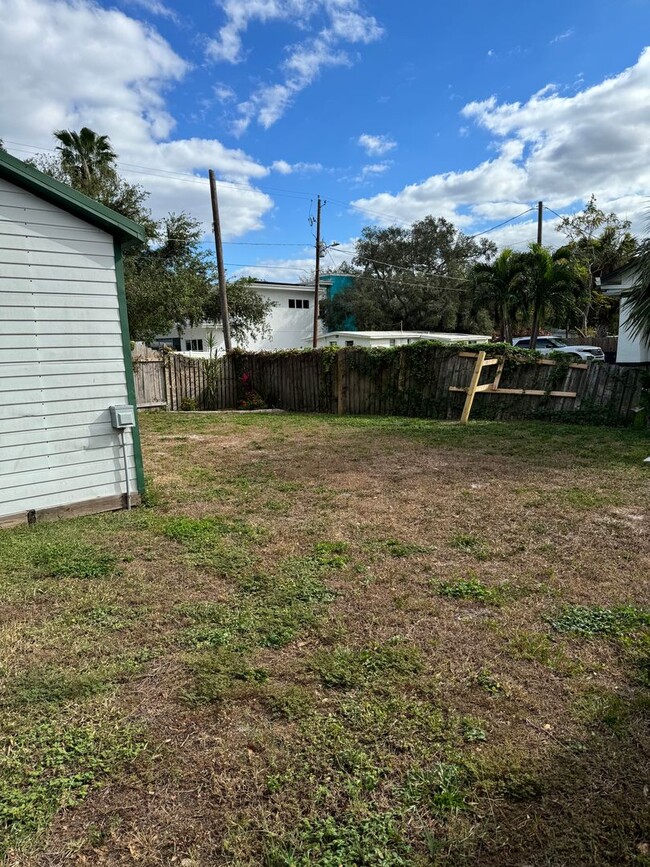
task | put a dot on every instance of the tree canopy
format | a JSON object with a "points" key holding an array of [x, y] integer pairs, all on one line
{"points": [[414, 278], [597, 244], [171, 280]]}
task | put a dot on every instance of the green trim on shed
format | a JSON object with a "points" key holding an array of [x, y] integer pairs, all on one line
{"points": [[125, 231], [128, 364]]}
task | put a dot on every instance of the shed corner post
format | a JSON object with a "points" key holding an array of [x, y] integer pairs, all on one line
{"points": [[128, 363]]}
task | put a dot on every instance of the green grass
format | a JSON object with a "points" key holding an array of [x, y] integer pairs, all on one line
{"points": [[622, 621], [469, 588], [50, 764], [260, 656], [469, 544], [344, 668]]}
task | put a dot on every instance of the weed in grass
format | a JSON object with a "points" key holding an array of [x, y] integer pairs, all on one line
{"points": [[72, 559], [579, 498], [343, 668], [488, 681], [289, 702], [51, 685], [49, 765], [469, 544], [269, 611], [599, 707], [538, 647], [471, 730], [622, 622], [401, 549], [152, 495], [371, 840], [440, 789], [468, 588], [219, 674]]}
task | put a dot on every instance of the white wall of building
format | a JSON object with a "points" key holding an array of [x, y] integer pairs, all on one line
{"points": [[61, 358], [630, 350], [290, 323]]}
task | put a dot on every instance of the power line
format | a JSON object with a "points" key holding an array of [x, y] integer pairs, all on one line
{"points": [[390, 264], [546, 207], [499, 225]]}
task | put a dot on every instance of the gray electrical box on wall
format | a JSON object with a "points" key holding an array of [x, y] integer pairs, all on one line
{"points": [[122, 416]]}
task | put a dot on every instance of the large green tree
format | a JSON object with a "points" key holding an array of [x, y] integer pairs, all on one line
{"points": [[598, 243], [639, 297], [170, 280], [497, 287], [548, 287], [414, 278]]}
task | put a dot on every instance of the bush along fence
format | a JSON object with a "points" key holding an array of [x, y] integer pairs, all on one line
{"points": [[422, 379]]}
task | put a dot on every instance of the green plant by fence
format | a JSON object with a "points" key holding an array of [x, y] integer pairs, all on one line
{"points": [[411, 380]]}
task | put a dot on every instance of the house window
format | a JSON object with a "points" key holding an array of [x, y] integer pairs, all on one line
{"points": [[333, 343], [305, 304], [193, 346], [298, 304], [391, 342], [292, 303], [349, 342]]}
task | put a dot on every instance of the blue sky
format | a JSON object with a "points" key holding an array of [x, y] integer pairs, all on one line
{"points": [[389, 110]]}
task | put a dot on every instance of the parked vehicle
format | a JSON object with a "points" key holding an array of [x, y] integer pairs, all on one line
{"points": [[546, 345]]}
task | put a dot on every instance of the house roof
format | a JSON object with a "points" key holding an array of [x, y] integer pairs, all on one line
{"points": [[288, 287], [17, 172]]}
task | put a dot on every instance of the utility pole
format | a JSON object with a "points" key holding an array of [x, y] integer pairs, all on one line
{"points": [[540, 221], [314, 341], [223, 295]]}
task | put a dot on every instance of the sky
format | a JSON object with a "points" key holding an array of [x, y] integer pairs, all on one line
{"points": [[388, 110]]}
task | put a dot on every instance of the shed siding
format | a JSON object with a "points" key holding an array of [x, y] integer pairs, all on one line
{"points": [[61, 358]]}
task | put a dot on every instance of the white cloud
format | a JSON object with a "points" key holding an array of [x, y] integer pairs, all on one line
{"points": [[155, 7], [331, 24], [376, 145], [119, 91], [282, 167], [224, 93], [300, 268], [557, 148], [562, 36]]}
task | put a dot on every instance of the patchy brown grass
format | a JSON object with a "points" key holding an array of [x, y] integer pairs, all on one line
{"points": [[331, 641]]}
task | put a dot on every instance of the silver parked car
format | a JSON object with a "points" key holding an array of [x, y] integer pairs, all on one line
{"points": [[546, 345]]}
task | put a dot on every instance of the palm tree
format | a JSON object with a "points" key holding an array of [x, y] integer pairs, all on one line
{"points": [[639, 298], [496, 285], [549, 287], [86, 156]]}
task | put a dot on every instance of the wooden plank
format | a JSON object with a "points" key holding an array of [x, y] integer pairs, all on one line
{"points": [[74, 510], [534, 392], [471, 391]]}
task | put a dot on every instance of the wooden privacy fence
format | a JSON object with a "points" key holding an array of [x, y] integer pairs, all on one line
{"points": [[419, 380]]}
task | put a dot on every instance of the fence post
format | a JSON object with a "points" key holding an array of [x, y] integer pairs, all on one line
{"points": [[340, 385]]}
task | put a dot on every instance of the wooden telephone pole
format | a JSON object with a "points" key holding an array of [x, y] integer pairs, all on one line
{"points": [[223, 294], [314, 341], [540, 222]]}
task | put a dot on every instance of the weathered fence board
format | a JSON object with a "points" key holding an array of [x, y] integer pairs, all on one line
{"points": [[408, 381]]}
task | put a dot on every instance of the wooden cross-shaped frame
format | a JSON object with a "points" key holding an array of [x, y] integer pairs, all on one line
{"points": [[493, 387]]}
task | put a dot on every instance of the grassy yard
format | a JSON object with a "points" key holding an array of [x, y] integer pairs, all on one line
{"points": [[336, 642]]}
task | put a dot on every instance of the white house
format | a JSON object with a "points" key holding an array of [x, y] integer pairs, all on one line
{"points": [[395, 338], [290, 323], [65, 354], [630, 350]]}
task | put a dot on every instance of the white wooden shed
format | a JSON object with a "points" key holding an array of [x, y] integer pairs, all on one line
{"points": [[65, 354]]}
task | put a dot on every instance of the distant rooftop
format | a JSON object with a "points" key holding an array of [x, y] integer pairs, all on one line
{"points": [[445, 336]]}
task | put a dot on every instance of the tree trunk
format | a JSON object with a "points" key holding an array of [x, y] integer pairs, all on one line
{"points": [[535, 328], [506, 333]]}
